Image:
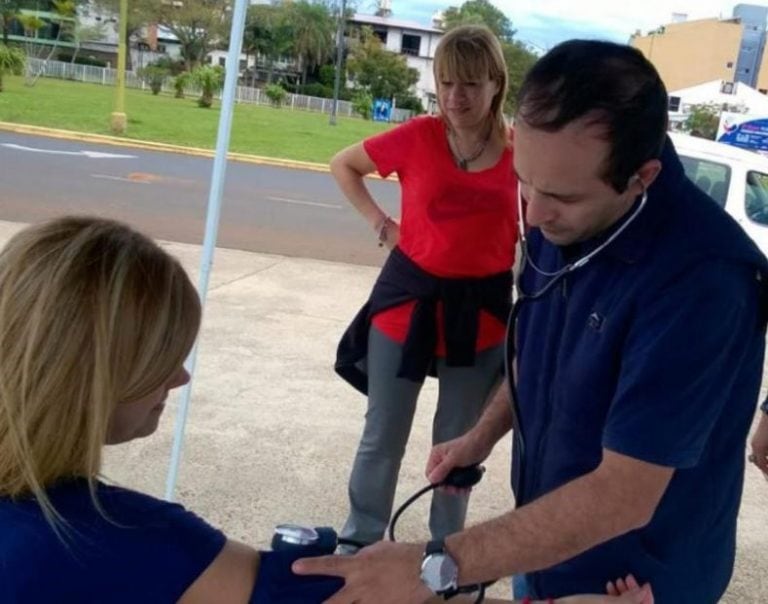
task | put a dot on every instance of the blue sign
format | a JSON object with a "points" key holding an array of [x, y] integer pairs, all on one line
{"points": [[382, 110], [751, 134]]}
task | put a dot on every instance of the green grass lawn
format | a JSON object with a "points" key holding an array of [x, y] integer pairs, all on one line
{"points": [[298, 135]]}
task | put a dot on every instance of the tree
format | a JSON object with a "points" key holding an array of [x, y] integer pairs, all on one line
{"points": [[61, 20], [11, 61], [313, 31], [479, 12], [180, 82], [703, 120], [154, 74], [517, 55], [210, 80], [9, 10], [381, 73], [268, 33], [519, 61], [197, 24], [140, 14]]}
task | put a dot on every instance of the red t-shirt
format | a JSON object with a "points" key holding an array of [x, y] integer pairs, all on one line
{"points": [[453, 223]]}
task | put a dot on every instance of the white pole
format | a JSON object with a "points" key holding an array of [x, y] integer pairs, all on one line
{"points": [[211, 223]]}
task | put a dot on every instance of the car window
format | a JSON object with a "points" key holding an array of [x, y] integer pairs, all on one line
{"points": [[756, 197], [711, 177]]}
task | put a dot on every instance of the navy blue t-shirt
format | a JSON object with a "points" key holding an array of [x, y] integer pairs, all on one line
{"points": [[147, 551], [653, 350]]}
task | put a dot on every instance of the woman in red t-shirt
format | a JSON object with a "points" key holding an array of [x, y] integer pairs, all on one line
{"points": [[447, 284]]}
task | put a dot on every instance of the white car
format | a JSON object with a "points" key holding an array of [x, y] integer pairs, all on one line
{"points": [[735, 178]]}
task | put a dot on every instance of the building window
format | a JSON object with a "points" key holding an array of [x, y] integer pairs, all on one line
{"points": [[381, 34], [729, 64], [411, 45], [674, 103], [242, 64], [222, 61]]}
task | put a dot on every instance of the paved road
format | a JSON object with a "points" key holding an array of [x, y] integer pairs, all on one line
{"points": [[265, 209]]}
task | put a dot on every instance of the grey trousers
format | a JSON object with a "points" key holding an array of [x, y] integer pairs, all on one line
{"points": [[463, 392]]}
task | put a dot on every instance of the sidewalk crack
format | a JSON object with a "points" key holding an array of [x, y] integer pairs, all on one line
{"points": [[245, 276]]}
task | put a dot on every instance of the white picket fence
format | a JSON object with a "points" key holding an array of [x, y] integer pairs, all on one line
{"points": [[244, 94]]}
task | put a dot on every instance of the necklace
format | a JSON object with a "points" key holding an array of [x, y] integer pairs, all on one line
{"points": [[461, 161]]}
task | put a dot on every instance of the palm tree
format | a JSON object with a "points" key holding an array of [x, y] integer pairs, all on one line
{"points": [[12, 60], [313, 31], [210, 80]]}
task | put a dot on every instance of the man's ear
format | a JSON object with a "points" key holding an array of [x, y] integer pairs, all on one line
{"points": [[645, 176]]}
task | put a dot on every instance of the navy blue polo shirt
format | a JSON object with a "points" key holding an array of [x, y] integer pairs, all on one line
{"points": [[654, 350]]}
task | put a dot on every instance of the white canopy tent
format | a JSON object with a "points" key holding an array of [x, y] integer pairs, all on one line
{"points": [[718, 92]]}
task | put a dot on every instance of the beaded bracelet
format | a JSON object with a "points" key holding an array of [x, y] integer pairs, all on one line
{"points": [[385, 222]]}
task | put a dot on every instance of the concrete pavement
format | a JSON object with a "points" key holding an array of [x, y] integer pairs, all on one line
{"points": [[272, 431]]}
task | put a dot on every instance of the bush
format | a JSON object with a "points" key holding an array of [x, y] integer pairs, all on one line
{"points": [[327, 75], [174, 67], [81, 59], [12, 61], [154, 75], [276, 94], [410, 103], [316, 89], [362, 104]]}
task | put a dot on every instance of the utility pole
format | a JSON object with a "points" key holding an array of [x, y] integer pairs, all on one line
{"points": [[339, 59], [119, 119]]}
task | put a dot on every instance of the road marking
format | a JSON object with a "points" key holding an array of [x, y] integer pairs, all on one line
{"points": [[301, 202], [120, 179], [89, 154]]}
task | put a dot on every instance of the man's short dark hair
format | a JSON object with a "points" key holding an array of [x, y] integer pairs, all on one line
{"points": [[612, 83]]}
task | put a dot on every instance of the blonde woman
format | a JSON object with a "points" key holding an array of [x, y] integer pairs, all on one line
{"points": [[441, 302], [95, 323]]}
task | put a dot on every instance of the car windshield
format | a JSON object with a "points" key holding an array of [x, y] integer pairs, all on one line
{"points": [[756, 197], [711, 177]]}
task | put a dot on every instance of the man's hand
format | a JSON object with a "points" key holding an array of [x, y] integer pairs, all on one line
{"points": [[463, 451], [383, 573], [759, 443]]}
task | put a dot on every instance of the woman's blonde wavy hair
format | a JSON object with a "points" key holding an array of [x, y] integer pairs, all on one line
{"points": [[92, 314], [469, 52]]}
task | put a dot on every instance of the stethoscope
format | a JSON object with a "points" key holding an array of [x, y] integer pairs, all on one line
{"points": [[522, 297], [557, 276]]}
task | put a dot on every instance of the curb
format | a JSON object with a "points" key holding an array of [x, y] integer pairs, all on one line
{"points": [[152, 146]]}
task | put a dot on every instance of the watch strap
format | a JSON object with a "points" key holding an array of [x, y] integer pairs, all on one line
{"points": [[436, 546]]}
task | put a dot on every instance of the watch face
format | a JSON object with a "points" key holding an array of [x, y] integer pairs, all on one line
{"points": [[439, 572]]}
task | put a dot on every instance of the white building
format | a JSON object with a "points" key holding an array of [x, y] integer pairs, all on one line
{"points": [[416, 42]]}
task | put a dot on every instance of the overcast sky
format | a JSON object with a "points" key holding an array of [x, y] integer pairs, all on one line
{"points": [[544, 23]]}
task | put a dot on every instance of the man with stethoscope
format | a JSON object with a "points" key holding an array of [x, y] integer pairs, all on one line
{"points": [[636, 346]]}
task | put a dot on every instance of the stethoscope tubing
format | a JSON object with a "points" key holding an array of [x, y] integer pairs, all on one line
{"points": [[523, 297]]}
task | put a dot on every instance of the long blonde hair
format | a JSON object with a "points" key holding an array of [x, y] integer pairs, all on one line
{"points": [[92, 314], [468, 52]]}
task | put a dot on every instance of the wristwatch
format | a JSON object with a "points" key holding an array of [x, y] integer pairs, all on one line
{"points": [[439, 571]]}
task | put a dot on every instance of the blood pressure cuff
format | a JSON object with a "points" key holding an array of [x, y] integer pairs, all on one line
{"points": [[277, 584]]}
